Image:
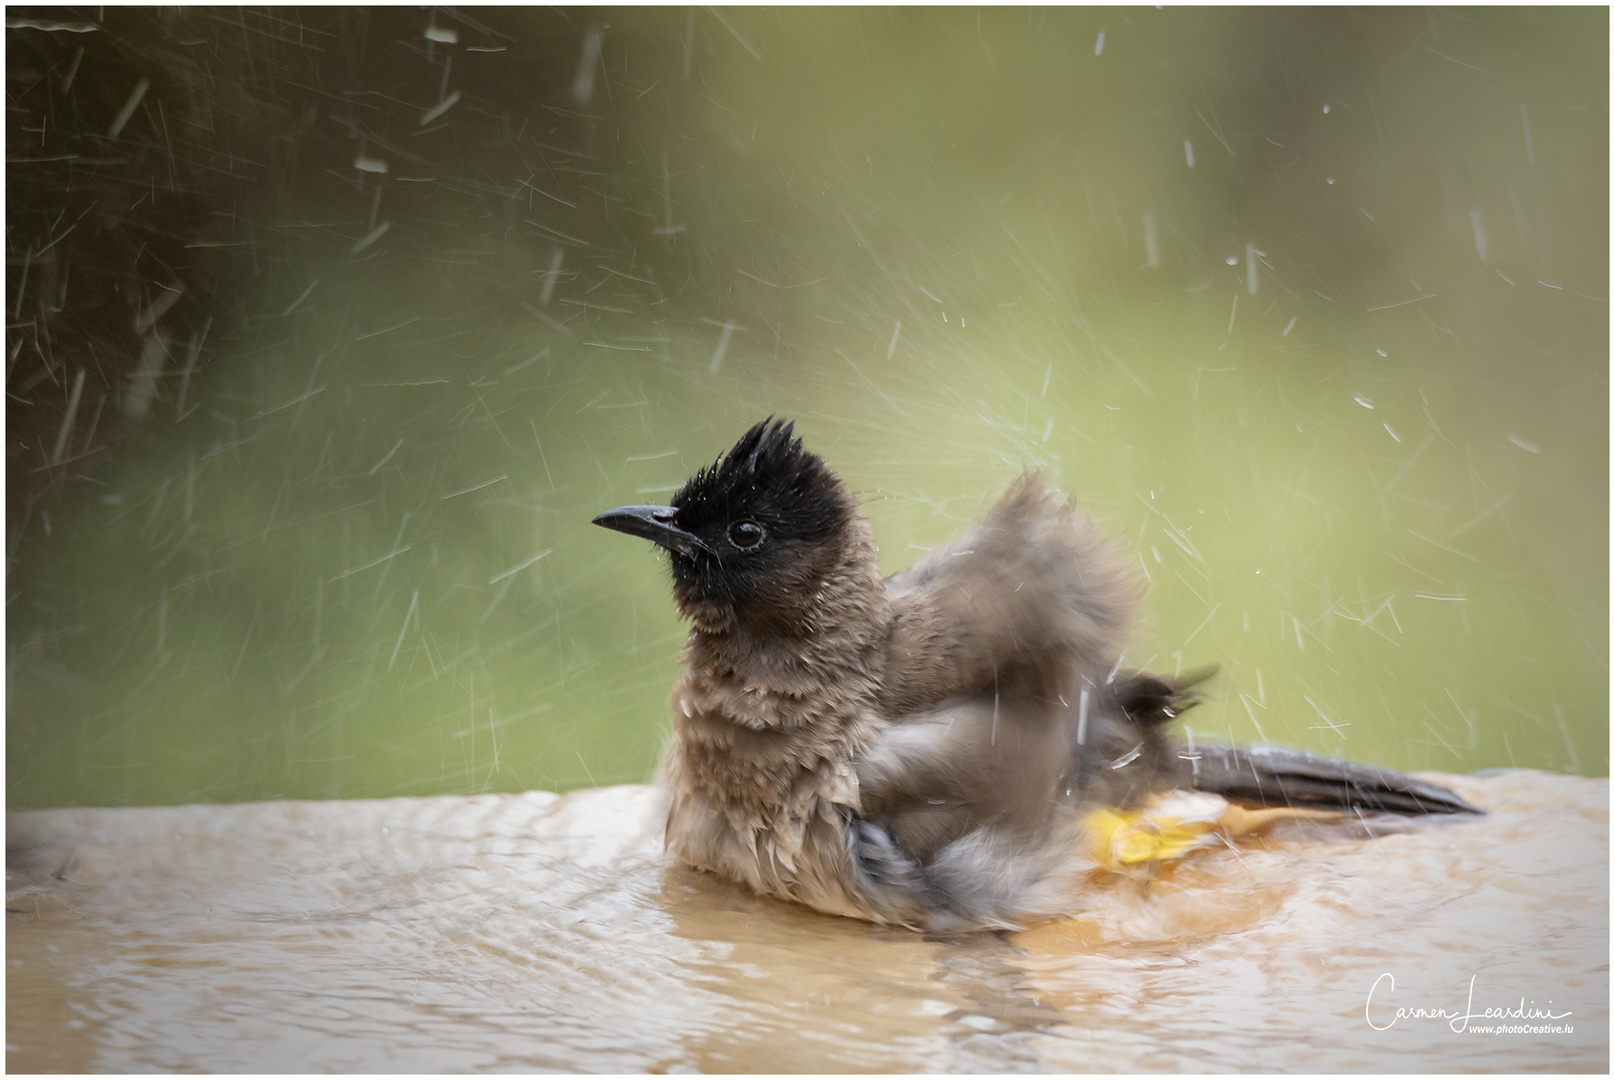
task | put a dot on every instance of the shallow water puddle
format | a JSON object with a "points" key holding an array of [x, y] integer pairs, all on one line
{"points": [[548, 932]]}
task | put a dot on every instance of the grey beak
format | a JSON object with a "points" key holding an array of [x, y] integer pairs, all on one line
{"points": [[653, 523]]}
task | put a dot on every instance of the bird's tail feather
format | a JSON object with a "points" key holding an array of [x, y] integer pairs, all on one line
{"points": [[1276, 777]]}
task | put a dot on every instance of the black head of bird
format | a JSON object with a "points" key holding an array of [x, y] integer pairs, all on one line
{"points": [[751, 535], [947, 747]]}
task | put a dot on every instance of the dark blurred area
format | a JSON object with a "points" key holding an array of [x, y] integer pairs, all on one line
{"points": [[172, 168]]}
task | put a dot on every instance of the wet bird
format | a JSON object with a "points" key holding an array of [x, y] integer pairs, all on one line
{"points": [[951, 747]]}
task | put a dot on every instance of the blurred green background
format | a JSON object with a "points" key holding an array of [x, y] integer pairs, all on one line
{"points": [[330, 329]]}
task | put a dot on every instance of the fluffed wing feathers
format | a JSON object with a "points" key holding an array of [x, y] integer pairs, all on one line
{"points": [[1033, 587]]}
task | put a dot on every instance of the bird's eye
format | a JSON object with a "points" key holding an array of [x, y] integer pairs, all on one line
{"points": [[745, 535]]}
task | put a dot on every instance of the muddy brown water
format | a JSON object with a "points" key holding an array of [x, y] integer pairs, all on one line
{"points": [[535, 931]]}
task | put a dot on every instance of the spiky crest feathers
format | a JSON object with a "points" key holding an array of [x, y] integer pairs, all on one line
{"points": [[766, 473]]}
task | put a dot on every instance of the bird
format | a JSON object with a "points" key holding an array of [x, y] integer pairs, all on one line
{"points": [[955, 747]]}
